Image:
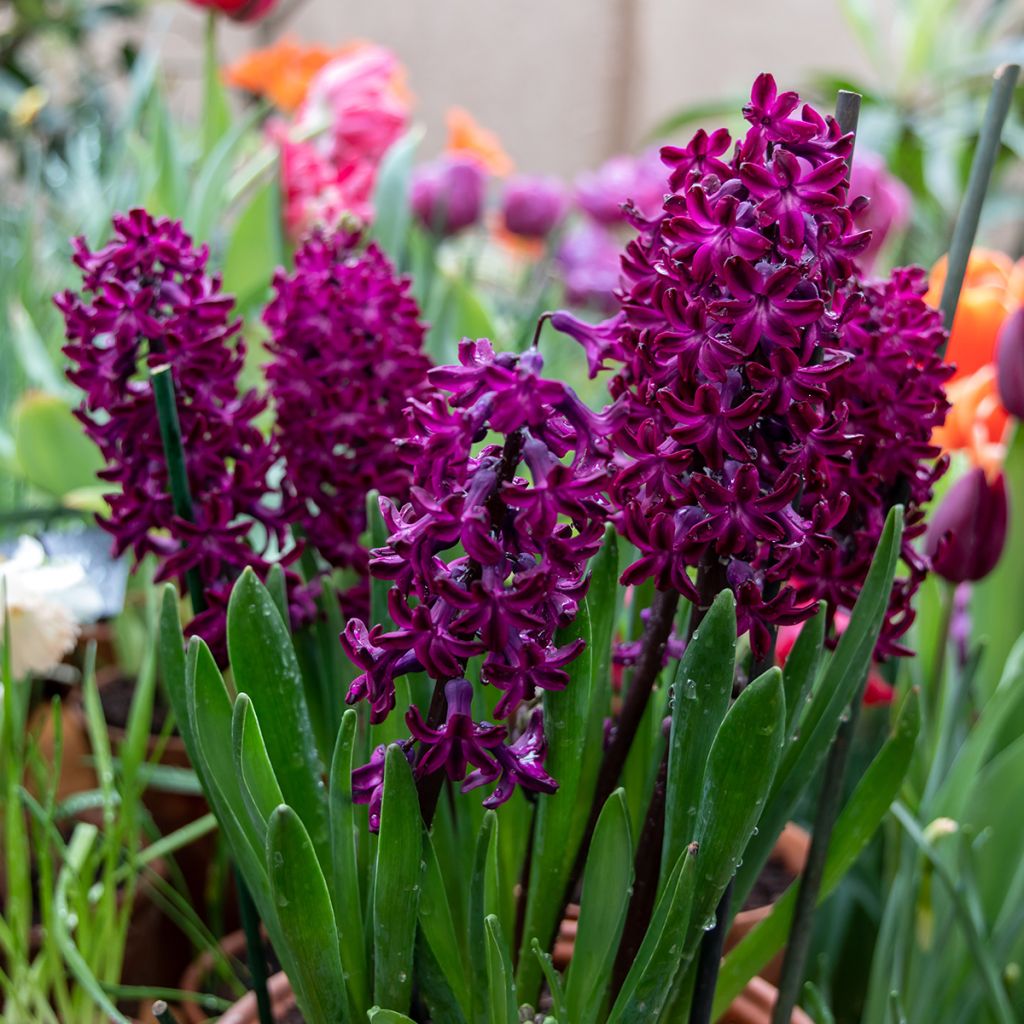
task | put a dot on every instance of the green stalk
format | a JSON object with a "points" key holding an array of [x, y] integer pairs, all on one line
{"points": [[1004, 81], [181, 496]]}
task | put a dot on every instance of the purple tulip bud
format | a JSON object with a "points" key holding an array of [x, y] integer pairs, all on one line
{"points": [[968, 530], [448, 194], [888, 208], [533, 206], [1010, 363]]}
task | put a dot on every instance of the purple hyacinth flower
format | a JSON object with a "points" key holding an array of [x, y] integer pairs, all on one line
{"points": [[533, 206], [448, 194]]}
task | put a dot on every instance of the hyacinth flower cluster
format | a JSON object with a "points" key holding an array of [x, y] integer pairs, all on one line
{"points": [[488, 559], [148, 301], [347, 354], [776, 406]]}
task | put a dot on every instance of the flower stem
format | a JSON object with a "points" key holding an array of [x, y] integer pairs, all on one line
{"points": [[181, 497], [1004, 81], [829, 799]]}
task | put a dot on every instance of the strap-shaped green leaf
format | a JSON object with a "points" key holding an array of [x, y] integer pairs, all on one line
{"points": [[607, 885], [648, 984], [856, 824], [740, 769], [392, 211], [306, 917], [433, 987], [801, 668], [479, 908], [259, 788], [265, 667], [396, 887], [840, 681], [379, 1016], [438, 927], [700, 699], [500, 979], [348, 908], [554, 982]]}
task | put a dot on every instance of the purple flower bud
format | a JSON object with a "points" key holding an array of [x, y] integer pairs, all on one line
{"points": [[448, 194], [603, 194], [888, 207], [1010, 363], [533, 206], [968, 530], [588, 259]]}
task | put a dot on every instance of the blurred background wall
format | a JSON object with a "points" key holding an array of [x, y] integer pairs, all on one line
{"points": [[565, 83]]}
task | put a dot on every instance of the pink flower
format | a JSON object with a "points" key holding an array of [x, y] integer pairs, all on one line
{"points": [[360, 98], [240, 10], [888, 207]]}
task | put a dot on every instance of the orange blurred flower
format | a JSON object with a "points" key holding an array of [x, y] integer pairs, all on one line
{"points": [[993, 287], [467, 138], [976, 421], [283, 72]]}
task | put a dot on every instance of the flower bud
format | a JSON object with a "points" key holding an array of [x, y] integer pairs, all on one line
{"points": [[239, 10], [448, 194], [968, 530], [1010, 363], [533, 206]]}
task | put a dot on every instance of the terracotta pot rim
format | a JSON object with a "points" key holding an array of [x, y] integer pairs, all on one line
{"points": [[244, 1011], [231, 945]]}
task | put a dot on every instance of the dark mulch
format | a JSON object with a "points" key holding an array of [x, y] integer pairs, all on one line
{"points": [[774, 880], [116, 698]]}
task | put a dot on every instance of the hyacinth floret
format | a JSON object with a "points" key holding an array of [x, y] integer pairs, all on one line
{"points": [[147, 301], [347, 354], [775, 405], [489, 560]]}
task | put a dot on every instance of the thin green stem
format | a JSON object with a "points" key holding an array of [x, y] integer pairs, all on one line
{"points": [[254, 949], [1004, 81]]}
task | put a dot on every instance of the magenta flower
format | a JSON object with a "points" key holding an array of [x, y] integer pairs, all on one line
{"points": [[625, 180], [346, 345], [488, 557], [448, 194], [968, 530], [533, 207], [148, 301], [773, 407], [887, 207], [588, 262]]}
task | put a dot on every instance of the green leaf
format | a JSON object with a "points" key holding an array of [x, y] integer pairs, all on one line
{"points": [[801, 668], [396, 884], [574, 722], [277, 585], [38, 365], [392, 212], [438, 928], [254, 249], [479, 909], [304, 909], [265, 667], [648, 986], [740, 769], [700, 699], [216, 109], [842, 678], [51, 449], [348, 909], [607, 886], [554, 982], [379, 1016], [500, 978], [171, 662], [855, 826], [259, 787], [432, 985], [952, 798]]}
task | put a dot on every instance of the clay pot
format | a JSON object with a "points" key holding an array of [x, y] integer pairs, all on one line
{"points": [[754, 1005], [790, 850], [282, 999], [197, 975]]}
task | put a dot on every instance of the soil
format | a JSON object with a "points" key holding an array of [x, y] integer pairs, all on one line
{"points": [[116, 698], [293, 1016], [774, 880]]}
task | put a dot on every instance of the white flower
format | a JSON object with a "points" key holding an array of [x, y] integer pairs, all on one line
{"points": [[42, 631]]}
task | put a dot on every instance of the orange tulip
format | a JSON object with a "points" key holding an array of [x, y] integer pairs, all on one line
{"points": [[467, 138], [992, 287], [976, 421], [283, 72]]}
